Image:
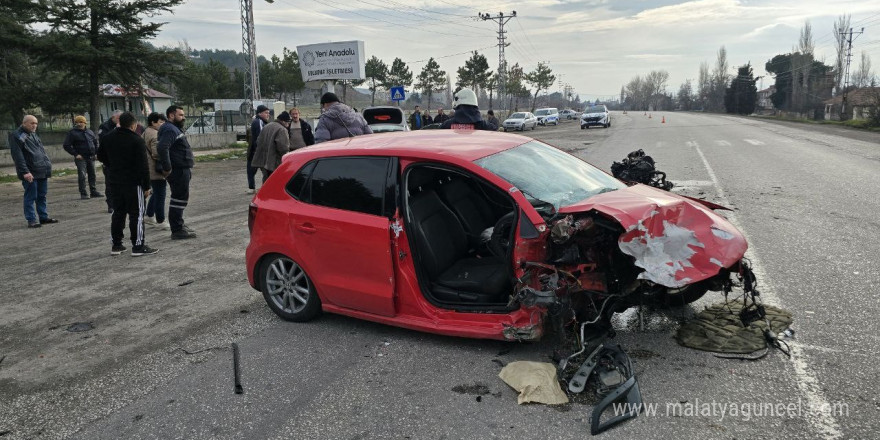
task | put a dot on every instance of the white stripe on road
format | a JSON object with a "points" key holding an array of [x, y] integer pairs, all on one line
{"points": [[806, 380], [722, 143], [692, 183], [754, 141]]}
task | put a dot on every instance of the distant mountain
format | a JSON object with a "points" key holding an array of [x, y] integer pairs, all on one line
{"points": [[230, 58]]}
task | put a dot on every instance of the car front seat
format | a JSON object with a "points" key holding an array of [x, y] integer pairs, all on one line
{"points": [[469, 207], [442, 250]]}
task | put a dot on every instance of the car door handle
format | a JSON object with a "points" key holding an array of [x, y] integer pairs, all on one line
{"points": [[307, 228]]}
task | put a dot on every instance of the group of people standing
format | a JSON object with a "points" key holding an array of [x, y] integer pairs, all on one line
{"points": [[270, 141], [137, 163], [465, 115]]}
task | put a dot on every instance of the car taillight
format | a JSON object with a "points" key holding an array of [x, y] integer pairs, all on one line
{"points": [[252, 215]]}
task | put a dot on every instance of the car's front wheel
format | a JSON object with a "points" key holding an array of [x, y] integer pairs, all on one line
{"points": [[288, 289]]}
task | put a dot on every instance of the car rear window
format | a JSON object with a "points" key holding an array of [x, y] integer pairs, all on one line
{"points": [[383, 116], [350, 183]]}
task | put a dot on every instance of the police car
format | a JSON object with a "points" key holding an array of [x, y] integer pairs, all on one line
{"points": [[547, 116]]}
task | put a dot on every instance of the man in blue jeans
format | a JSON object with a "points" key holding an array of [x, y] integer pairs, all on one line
{"points": [[33, 167]]}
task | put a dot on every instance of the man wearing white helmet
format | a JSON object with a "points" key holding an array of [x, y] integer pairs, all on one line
{"points": [[467, 115]]}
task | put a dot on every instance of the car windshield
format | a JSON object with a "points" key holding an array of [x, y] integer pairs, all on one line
{"points": [[546, 174], [517, 116], [596, 109], [542, 112]]}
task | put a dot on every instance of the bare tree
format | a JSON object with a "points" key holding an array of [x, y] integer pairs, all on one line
{"points": [[704, 85], [719, 81], [840, 27], [863, 76]]}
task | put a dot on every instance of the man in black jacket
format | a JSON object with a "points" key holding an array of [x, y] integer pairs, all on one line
{"points": [[260, 120], [128, 175], [34, 168], [467, 115], [176, 155], [103, 130], [301, 134], [82, 144]]}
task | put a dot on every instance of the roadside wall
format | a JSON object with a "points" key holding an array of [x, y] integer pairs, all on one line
{"points": [[52, 142]]}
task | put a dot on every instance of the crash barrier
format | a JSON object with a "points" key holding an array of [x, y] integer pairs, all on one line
{"points": [[205, 141]]}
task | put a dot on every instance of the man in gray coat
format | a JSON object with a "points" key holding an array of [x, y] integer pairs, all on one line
{"points": [[33, 167], [272, 143], [338, 120]]}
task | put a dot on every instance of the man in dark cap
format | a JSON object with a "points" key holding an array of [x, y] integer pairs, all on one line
{"points": [[272, 144], [82, 144], [338, 120], [260, 120]]}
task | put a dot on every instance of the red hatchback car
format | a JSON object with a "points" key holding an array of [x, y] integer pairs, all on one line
{"points": [[475, 234]]}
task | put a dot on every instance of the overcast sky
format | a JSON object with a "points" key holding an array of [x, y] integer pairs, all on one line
{"points": [[594, 45]]}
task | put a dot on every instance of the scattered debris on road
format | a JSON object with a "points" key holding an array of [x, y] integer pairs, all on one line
{"points": [[535, 381], [638, 167], [185, 283]]}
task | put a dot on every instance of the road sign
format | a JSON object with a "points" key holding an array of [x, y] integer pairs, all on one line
{"points": [[397, 94]]}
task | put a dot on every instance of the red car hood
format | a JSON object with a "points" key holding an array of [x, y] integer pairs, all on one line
{"points": [[676, 240]]}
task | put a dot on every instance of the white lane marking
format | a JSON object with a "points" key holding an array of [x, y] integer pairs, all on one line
{"points": [[754, 141], [692, 183], [806, 380], [722, 143]]}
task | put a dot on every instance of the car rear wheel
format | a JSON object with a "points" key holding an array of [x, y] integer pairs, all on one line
{"points": [[288, 290]]}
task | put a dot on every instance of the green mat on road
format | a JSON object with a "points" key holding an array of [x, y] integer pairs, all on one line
{"points": [[719, 329]]}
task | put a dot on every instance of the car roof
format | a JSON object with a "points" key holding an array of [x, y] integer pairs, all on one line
{"points": [[467, 145]]}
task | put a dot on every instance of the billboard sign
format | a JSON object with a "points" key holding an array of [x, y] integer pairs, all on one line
{"points": [[327, 61]]}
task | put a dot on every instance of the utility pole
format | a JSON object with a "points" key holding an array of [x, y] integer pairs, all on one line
{"points": [[249, 47], [501, 19], [849, 41]]}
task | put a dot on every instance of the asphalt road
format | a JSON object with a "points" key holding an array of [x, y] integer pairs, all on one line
{"points": [[801, 196]]}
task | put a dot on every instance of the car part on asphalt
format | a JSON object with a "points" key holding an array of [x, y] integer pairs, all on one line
{"points": [[638, 167], [235, 369]]}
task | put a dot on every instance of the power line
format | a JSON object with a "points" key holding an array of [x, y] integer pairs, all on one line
{"points": [[421, 12], [450, 55]]}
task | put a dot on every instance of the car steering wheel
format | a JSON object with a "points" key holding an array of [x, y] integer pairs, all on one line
{"points": [[499, 242]]}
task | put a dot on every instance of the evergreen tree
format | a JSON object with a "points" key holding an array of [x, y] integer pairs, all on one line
{"points": [[18, 72], [475, 72], [742, 95], [541, 79], [398, 75], [105, 40], [431, 79], [377, 76]]}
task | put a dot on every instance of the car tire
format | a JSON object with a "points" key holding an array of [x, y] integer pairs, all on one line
{"points": [[534, 127], [288, 290], [505, 129]]}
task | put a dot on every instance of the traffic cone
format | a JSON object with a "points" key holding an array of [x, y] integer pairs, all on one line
{"points": [[664, 120]]}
